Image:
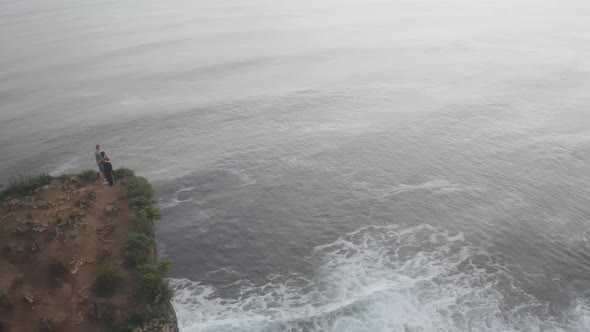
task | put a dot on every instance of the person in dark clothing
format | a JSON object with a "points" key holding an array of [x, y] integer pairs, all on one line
{"points": [[108, 168]]}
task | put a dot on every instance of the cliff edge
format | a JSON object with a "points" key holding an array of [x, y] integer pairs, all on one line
{"points": [[77, 255]]}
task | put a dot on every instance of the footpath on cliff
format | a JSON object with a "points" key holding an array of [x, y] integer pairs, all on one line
{"points": [[77, 255]]}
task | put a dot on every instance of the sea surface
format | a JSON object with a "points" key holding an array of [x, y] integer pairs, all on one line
{"points": [[323, 165]]}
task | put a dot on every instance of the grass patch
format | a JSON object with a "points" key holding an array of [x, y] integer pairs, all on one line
{"points": [[138, 248], [107, 281], [66, 178], [140, 192], [57, 267], [88, 176], [153, 286], [123, 173], [25, 185]]}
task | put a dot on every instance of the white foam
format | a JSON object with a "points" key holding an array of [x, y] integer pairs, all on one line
{"points": [[175, 201], [379, 279], [440, 187]]}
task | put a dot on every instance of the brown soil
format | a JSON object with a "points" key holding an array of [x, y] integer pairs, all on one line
{"points": [[53, 224]]}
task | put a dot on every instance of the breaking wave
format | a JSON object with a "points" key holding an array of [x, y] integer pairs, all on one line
{"points": [[381, 279]]}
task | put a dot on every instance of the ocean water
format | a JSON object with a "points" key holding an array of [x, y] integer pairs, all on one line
{"points": [[328, 165]]}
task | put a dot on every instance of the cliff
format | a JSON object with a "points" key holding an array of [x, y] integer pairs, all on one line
{"points": [[77, 255]]}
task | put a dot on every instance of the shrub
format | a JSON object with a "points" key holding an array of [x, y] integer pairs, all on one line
{"points": [[111, 210], [153, 286], [88, 176], [65, 178], [123, 173], [121, 328], [25, 185], [4, 299], [138, 248], [57, 267], [48, 325], [143, 315], [86, 200], [144, 219], [107, 281], [152, 213], [140, 192]]}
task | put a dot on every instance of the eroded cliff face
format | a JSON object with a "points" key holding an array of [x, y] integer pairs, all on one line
{"points": [[77, 255]]}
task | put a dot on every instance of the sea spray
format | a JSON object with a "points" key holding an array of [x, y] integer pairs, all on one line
{"points": [[380, 279]]}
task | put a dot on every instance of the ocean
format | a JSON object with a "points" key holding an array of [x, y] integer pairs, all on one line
{"points": [[353, 165]]}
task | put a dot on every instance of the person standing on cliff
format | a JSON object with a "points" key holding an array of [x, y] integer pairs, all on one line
{"points": [[100, 162], [108, 168]]}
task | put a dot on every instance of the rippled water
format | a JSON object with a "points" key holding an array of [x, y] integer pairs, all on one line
{"points": [[328, 165]]}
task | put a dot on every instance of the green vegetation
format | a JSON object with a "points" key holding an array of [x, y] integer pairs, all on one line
{"points": [[48, 325], [88, 176], [66, 178], [144, 219], [153, 286], [25, 185], [140, 316], [142, 197], [111, 210], [4, 299], [86, 200], [138, 248], [57, 267], [152, 292], [123, 173], [140, 192], [107, 281]]}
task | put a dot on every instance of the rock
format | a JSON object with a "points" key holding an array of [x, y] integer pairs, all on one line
{"points": [[37, 227], [14, 203], [29, 298]]}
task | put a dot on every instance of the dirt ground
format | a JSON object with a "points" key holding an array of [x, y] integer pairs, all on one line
{"points": [[63, 221]]}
